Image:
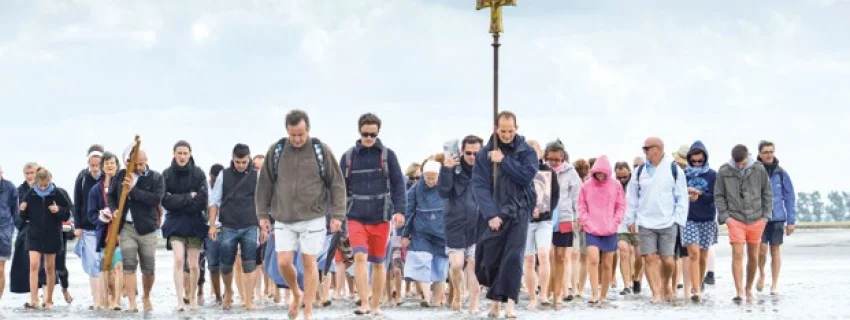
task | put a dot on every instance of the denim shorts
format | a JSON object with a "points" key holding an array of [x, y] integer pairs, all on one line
{"points": [[246, 240]]}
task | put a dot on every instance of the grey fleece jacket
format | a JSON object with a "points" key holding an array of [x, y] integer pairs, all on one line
{"points": [[743, 194], [300, 193]]}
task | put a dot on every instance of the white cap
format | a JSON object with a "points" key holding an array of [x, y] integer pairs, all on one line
{"points": [[431, 166]]}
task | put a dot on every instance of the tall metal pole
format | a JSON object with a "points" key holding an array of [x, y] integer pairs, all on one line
{"points": [[495, 29]]}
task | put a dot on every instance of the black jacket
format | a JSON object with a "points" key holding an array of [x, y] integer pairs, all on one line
{"points": [[142, 200], [185, 214], [82, 185], [45, 227]]}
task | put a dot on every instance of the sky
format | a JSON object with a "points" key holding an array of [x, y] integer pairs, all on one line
{"points": [[600, 75]]}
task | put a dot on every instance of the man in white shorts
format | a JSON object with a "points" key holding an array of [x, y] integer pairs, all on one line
{"points": [[294, 186]]}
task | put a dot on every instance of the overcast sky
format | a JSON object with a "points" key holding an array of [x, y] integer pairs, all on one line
{"points": [[601, 75]]}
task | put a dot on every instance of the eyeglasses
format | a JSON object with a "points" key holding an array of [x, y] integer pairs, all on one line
{"points": [[469, 153], [369, 134]]}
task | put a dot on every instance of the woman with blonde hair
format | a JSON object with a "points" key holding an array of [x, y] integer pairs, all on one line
{"points": [[45, 207]]}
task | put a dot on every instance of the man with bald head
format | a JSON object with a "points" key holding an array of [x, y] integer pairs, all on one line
{"points": [[139, 222], [657, 205]]}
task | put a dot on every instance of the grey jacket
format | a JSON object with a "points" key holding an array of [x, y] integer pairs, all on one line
{"points": [[743, 194], [570, 186]]}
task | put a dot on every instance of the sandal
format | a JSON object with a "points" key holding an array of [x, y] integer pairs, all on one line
{"points": [[362, 313], [30, 306]]}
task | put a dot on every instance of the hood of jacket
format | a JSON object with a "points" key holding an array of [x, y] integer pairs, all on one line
{"points": [[601, 203]]}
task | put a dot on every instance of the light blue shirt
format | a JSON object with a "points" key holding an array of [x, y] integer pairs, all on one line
{"points": [[661, 201], [215, 194], [215, 198]]}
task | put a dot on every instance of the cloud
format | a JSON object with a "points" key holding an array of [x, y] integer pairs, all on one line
{"points": [[217, 73]]}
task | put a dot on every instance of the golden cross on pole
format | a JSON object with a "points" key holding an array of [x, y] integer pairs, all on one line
{"points": [[495, 12]]}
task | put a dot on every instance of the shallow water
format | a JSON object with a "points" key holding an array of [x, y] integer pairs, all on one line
{"points": [[816, 271]]}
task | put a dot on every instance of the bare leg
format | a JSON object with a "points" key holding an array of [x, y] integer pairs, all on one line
{"points": [[530, 276], [215, 280], [311, 283], [582, 279], [472, 285], [593, 268], [607, 275], [668, 267], [361, 279], [752, 267], [738, 268], [559, 273], [686, 275], [545, 270], [35, 265], [653, 272], [147, 286], [696, 262], [625, 263], [456, 276], [290, 274], [178, 251], [194, 273], [775, 266], [50, 270], [379, 274], [239, 276], [762, 261]]}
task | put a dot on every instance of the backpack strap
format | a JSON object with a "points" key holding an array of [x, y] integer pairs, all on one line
{"points": [[319, 151], [637, 180], [675, 171], [385, 169], [348, 154], [278, 153]]}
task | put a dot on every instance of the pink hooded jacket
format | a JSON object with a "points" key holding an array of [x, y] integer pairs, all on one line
{"points": [[601, 204]]}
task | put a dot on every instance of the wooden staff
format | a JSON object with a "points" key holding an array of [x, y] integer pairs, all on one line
{"points": [[112, 229]]}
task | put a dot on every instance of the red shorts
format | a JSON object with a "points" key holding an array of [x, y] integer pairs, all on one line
{"points": [[369, 239], [740, 232]]}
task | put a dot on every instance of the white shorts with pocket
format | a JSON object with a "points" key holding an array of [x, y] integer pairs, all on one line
{"points": [[468, 252], [539, 237], [309, 236]]}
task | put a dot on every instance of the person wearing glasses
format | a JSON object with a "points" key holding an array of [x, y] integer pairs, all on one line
{"points": [[376, 195], [461, 215], [700, 232], [657, 205], [744, 200], [784, 213]]}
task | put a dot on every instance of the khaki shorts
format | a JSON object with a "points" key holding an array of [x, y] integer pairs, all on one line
{"points": [[630, 238], [189, 242]]}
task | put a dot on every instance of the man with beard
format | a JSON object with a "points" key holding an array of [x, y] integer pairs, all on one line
{"points": [[233, 196], [506, 199], [138, 225], [184, 228], [461, 215], [744, 200], [784, 213]]}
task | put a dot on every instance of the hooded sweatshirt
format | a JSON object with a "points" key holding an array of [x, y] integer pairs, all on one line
{"points": [[743, 194], [702, 179], [569, 185], [601, 204]]}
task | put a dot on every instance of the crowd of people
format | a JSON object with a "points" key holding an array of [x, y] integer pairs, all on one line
{"points": [[504, 215]]}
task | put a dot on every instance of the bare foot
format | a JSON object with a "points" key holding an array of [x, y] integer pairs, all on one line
{"points": [[68, 297], [760, 283], [750, 295], [227, 301], [774, 291], [147, 303], [532, 305], [295, 306]]}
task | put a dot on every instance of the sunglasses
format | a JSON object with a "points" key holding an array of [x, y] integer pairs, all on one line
{"points": [[369, 134], [647, 148], [469, 153], [697, 161], [622, 178]]}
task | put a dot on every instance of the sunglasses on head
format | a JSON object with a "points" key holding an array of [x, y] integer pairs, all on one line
{"points": [[369, 134]]}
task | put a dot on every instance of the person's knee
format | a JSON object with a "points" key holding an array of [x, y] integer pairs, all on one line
{"points": [[543, 256], [249, 266], [774, 251], [528, 260], [226, 269]]}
